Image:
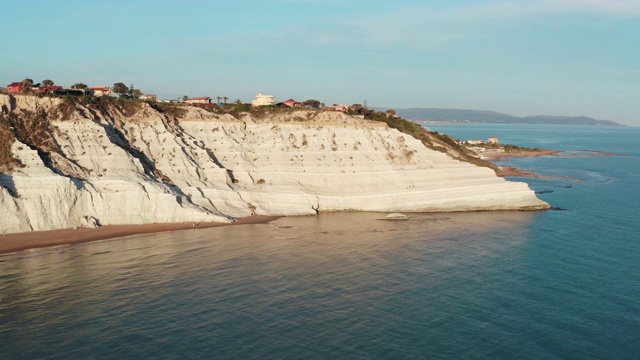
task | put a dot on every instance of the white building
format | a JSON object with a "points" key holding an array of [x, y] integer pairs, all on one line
{"points": [[102, 91], [264, 100], [199, 100], [149, 97]]}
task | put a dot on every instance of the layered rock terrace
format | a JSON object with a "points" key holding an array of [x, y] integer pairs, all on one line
{"points": [[81, 165]]}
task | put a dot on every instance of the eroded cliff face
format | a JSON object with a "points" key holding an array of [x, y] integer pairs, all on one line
{"points": [[80, 165]]}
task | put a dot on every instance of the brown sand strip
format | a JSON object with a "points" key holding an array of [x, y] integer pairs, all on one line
{"points": [[504, 171], [37, 239], [496, 155]]}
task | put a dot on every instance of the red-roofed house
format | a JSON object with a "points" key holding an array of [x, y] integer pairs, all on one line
{"points": [[46, 89], [291, 103], [199, 100], [102, 91], [14, 88], [342, 108]]}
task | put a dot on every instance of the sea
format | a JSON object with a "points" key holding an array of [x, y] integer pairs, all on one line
{"points": [[557, 284]]}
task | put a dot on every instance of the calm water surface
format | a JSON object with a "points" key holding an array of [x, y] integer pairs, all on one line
{"points": [[504, 285]]}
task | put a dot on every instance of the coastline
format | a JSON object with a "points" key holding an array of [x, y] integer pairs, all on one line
{"points": [[505, 171], [15, 242], [499, 155], [10, 243]]}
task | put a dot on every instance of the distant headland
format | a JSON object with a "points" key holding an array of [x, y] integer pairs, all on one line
{"points": [[492, 117]]}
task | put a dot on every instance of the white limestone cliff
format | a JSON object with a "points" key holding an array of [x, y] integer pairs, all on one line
{"points": [[148, 168]]}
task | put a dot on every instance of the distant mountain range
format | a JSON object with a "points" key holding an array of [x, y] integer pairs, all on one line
{"points": [[479, 116]]}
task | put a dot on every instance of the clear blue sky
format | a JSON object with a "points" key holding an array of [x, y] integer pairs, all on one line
{"points": [[551, 57]]}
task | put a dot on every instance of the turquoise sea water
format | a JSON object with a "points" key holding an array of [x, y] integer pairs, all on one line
{"points": [[497, 285]]}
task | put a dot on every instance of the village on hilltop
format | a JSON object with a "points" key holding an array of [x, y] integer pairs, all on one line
{"points": [[120, 90]]}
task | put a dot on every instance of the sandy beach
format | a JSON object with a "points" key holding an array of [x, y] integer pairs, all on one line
{"points": [[37, 239]]}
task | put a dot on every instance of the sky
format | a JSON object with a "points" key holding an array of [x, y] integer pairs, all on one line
{"points": [[536, 57]]}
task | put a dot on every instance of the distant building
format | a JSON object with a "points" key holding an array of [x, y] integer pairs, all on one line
{"points": [[264, 100], [341, 108], [47, 89], [291, 103], [102, 91], [14, 88], [199, 100], [149, 97], [493, 140], [475, 142]]}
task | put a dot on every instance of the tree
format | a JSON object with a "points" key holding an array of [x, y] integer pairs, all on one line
{"points": [[120, 89], [218, 97], [185, 98], [130, 92], [315, 104], [225, 99], [47, 83], [79, 86], [135, 93], [27, 84]]}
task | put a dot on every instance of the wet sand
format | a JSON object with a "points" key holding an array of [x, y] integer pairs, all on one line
{"points": [[38, 239]]}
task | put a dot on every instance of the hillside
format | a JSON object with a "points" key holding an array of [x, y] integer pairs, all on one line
{"points": [[68, 163], [479, 116]]}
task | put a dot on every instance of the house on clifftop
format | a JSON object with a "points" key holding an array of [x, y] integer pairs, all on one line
{"points": [[199, 100], [264, 100], [149, 97], [14, 88], [341, 108], [102, 91], [47, 89], [291, 103]]}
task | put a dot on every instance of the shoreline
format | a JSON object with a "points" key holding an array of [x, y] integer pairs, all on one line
{"points": [[499, 155], [507, 171], [10, 243], [504, 171]]}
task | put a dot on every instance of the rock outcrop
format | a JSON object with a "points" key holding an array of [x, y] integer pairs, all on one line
{"points": [[82, 165]]}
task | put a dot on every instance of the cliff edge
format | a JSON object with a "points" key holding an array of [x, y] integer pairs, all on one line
{"points": [[69, 163]]}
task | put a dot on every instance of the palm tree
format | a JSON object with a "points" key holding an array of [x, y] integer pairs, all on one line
{"points": [[225, 99], [218, 97]]}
